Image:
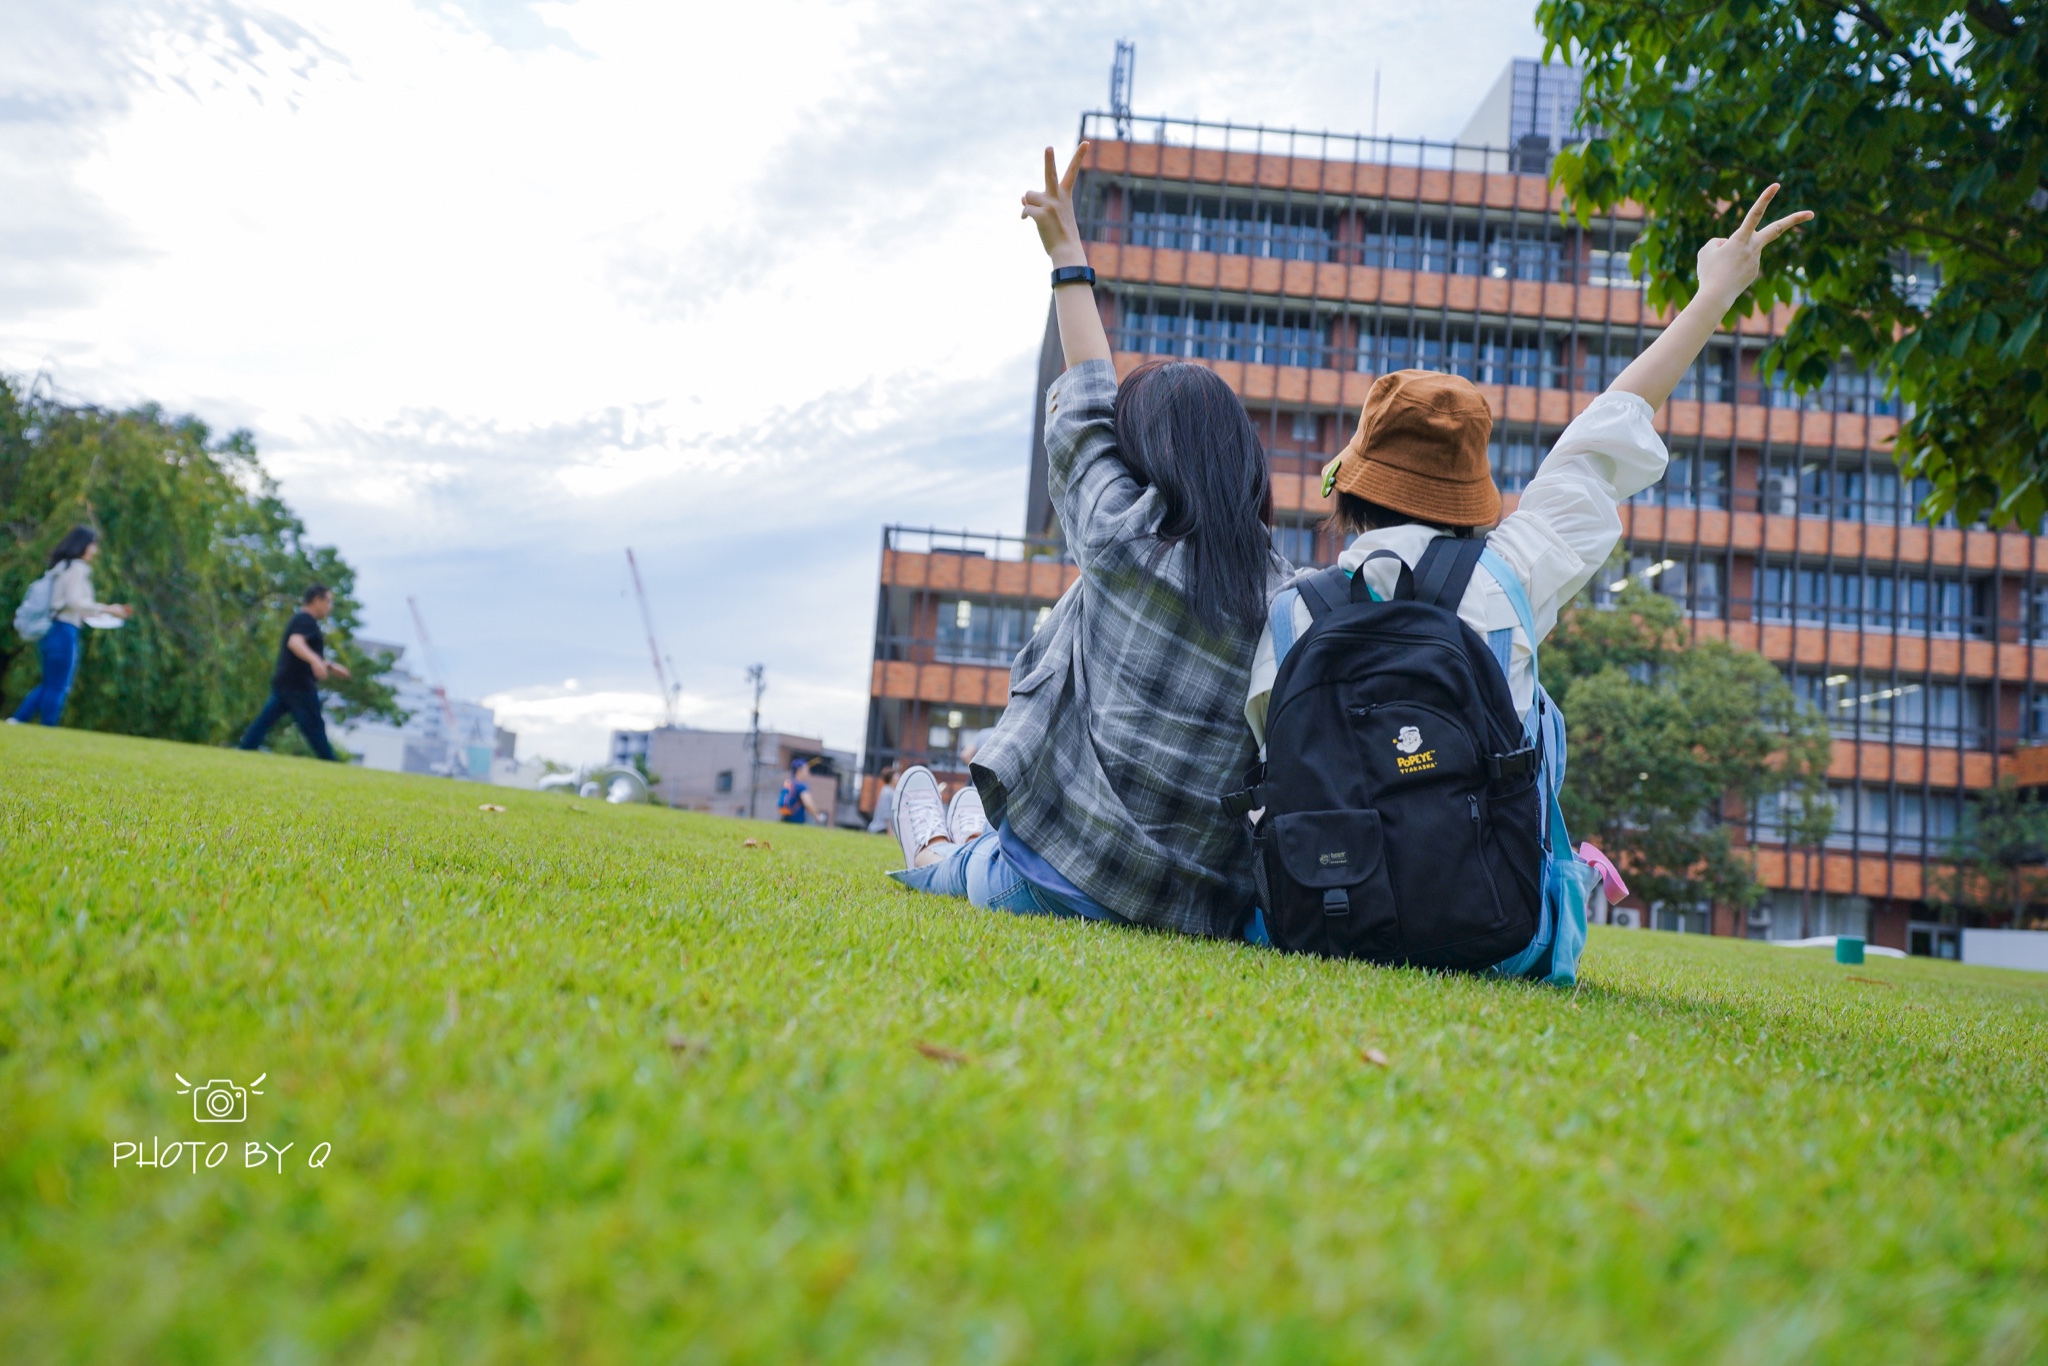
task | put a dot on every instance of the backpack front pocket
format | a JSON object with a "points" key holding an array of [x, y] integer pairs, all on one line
{"points": [[1327, 877]]}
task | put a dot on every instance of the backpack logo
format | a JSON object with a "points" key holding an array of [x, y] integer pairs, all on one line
{"points": [[1333, 860], [1408, 761]]}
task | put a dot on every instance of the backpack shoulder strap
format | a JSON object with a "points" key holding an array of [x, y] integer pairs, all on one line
{"points": [[1518, 597], [1444, 570], [1324, 591]]}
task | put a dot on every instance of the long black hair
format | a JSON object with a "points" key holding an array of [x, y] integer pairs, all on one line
{"points": [[76, 542], [1183, 432]]}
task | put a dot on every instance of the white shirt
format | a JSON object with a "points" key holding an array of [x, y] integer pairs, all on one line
{"points": [[71, 599], [1566, 525]]}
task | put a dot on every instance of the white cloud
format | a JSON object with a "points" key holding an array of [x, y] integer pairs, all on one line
{"points": [[503, 287]]}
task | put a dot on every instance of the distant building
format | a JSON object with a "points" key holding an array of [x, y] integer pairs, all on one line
{"points": [[1532, 111], [473, 747], [715, 771], [629, 746]]}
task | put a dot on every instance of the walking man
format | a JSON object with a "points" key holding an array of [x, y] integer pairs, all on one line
{"points": [[302, 666]]}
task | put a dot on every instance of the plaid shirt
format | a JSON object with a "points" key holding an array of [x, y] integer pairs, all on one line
{"points": [[1126, 719]]}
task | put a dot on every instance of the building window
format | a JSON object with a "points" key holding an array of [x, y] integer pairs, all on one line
{"points": [[1873, 818], [1261, 336], [1296, 542], [1859, 493], [1303, 429], [1486, 355], [1806, 915], [1515, 457], [1903, 603], [1695, 587], [1610, 270], [723, 783], [1950, 714], [973, 632], [1694, 479], [1845, 390], [1231, 227]]}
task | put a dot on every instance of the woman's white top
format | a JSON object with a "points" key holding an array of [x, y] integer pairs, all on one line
{"points": [[1566, 524], [71, 599]]}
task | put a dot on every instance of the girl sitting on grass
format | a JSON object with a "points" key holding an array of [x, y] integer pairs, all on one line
{"points": [[1125, 723]]}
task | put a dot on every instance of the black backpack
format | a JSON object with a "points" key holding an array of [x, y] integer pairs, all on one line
{"points": [[1401, 818]]}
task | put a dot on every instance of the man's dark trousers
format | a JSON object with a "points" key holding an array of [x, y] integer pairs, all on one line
{"points": [[304, 705]]}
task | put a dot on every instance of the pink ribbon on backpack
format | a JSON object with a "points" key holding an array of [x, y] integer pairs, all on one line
{"points": [[1609, 874]]}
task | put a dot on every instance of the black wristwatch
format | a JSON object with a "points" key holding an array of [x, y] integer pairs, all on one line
{"points": [[1072, 275]]}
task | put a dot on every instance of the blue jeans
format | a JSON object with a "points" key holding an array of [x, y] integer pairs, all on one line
{"points": [[60, 666], [304, 706], [978, 871]]}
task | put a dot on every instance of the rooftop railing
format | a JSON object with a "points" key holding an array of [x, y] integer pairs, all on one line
{"points": [[1531, 157], [987, 545]]}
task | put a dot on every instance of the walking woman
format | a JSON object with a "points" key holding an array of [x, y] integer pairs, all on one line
{"points": [[1097, 793], [71, 602]]}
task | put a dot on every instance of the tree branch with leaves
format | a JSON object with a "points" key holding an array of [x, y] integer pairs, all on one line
{"points": [[1917, 132]]}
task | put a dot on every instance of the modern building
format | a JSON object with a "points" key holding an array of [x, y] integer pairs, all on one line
{"points": [[451, 740], [719, 771], [1299, 266]]}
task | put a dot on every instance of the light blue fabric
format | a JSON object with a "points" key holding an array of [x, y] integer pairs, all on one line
{"points": [[980, 872], [1553, 955], [1282, 617]]}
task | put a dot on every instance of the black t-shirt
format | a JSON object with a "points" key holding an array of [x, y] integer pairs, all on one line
{"points": [[293, 672]]}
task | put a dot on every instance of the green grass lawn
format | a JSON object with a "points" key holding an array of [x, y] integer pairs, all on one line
{"points": [[603, 1085]]}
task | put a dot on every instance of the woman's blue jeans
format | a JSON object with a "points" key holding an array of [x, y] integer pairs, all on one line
{"points": [[978, 871], [60, 666]]}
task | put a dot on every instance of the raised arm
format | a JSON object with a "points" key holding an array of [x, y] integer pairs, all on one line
{"points": [[1728, 265], [1052, 211]]}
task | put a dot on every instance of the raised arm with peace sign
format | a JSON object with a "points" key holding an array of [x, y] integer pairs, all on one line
{"points": [[1728, 265], [1051, 210]]}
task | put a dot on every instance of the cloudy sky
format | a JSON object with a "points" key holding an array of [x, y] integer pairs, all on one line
{"points": [[505, 287]]}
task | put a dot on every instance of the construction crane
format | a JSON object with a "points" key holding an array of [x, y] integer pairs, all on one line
{"points": [[434, 679], [668, 701]]}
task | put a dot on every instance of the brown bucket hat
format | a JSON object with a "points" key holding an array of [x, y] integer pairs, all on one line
{"points": [[1420, 449]]}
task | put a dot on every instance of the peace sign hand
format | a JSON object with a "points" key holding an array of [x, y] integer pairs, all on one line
{"points": [[1729, 265], [1051, 210]]}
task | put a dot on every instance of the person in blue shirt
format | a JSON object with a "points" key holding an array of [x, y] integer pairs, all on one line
{"points": [[794, 806]]}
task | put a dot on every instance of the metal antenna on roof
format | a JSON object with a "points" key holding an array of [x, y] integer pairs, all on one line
{"points": [[1121, 77]]}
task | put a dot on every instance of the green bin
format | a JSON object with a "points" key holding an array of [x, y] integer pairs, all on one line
{"points": [[1848, 949]]}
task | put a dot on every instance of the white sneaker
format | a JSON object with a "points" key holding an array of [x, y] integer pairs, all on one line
{"points": [[920, 813], [965, 820]]}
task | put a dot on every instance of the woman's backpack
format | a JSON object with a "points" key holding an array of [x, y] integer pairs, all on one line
{"points": [[1407, 814], [32, 619]]}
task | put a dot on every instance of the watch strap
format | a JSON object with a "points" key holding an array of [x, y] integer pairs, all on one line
{"points": [[1072, 275]]}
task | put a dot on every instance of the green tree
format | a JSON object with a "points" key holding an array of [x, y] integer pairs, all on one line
{"points": [[195, 536], [1670, 739], [1997, 865], [1917, 131]]}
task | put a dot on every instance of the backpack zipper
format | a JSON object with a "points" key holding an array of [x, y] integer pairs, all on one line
{"points": [[1479, 848]]}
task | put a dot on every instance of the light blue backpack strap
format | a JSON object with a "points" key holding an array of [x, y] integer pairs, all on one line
{"points": [[1561, 927], [1518, 598], [1502, 643], [1281, 620]]}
